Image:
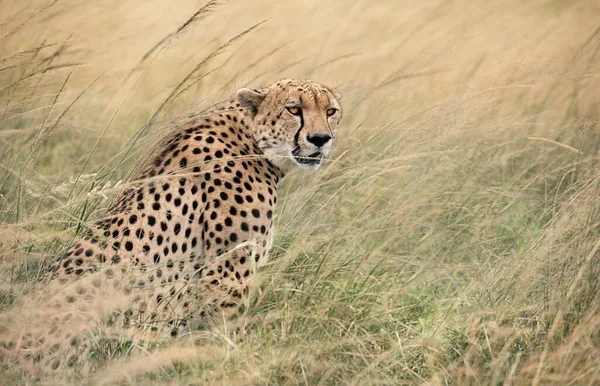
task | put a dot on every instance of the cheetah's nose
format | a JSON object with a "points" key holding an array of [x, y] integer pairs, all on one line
{"points": [[319, 139]]}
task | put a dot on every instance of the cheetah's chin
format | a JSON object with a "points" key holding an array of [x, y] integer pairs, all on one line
{"points": [[310, 162]]}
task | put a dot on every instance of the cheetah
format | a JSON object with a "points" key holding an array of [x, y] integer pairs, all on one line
{"points": [[182, 244]]}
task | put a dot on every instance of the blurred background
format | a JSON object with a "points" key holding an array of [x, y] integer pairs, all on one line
{"points": [[452, 237]]}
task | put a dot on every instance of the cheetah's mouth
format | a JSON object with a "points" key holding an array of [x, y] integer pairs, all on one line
{"points": [[312, 159]]}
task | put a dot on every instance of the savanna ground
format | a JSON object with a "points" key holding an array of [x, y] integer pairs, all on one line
{"points": [[452, 238]]}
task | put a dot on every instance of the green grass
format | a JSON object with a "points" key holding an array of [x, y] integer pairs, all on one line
{"points": [[452, 238]]}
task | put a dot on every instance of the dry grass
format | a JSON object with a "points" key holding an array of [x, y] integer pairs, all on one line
{"points": [[452, 239]]}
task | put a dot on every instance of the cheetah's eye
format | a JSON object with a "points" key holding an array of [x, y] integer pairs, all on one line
{"points": [[294, 110], [331, 111]]}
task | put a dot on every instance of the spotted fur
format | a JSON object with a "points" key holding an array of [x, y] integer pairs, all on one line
{"points": [[182, 244]]}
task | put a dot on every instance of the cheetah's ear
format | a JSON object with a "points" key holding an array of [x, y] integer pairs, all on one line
{"points": [[250, 99], [335, 94]]}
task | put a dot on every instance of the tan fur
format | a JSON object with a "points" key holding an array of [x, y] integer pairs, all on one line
{"points": [[181, 247]]}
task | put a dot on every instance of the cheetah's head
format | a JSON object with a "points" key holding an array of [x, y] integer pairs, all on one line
{"points": [[295, 121]]}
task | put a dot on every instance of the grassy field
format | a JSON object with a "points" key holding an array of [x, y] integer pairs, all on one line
{"points": [[452, 238]]}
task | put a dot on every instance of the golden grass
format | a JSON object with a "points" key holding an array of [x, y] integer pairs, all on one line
{"points": [[452, 238]]}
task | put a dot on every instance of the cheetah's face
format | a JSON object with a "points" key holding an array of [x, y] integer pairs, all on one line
{"points": [[295, 122]]}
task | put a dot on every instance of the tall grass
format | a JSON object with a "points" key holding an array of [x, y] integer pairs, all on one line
{"points": [[451, 239]]}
